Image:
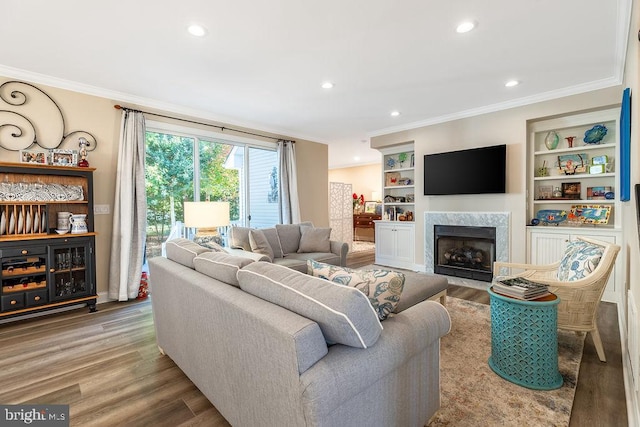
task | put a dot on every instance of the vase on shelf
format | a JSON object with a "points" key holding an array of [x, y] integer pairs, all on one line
{"points": [[570, 141], [551, 140]]}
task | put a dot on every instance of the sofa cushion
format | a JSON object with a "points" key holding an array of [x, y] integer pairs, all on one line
{"points": [[579, 260], [314, 239], [382, 287], [274, 241], [343, 313], [239, 238], [183, 251], [259, 244], [289, 235], [221, 266]]}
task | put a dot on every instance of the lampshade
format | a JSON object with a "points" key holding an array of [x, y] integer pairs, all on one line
{"points": [[375, 196], [206, 214]]}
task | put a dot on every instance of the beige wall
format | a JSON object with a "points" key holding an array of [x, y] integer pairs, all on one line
{"points": [[363, 179], [503, 127], [97, 116]]}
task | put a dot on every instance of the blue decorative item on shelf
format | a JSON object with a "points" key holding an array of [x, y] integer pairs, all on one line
{"points": [[391, 162], [535, 221], [595, 134], [551, 216]]}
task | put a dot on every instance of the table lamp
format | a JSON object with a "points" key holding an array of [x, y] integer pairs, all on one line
{"points": [[206, 217]]}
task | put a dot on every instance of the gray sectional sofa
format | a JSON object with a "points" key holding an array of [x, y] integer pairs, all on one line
{"points": [[270, 346], [290, 245]]}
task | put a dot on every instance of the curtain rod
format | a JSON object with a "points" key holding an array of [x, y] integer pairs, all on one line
{"points": [[222, 128]]}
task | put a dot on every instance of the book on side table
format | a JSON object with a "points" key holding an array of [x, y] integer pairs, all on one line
{"points": [[521, 288]]}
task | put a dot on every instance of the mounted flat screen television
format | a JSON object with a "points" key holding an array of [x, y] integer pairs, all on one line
{"points": [[474, 171]]}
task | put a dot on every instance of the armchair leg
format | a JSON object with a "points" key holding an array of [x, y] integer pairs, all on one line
{"points": [[595, 335]]}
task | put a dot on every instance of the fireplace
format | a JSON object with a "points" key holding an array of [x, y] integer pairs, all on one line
{"points": [[464, 251]]}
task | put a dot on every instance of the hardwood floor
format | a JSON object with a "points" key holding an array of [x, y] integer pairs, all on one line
{"points": [[107, 367]]}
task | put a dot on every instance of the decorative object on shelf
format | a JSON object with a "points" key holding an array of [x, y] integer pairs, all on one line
{"points": [[405, 181], [23, 132], [557, 193], [83, 144], [597, 169], [591, 214], [391, 163], [546, 192], [595, 134], [391, 179], [609, 195], [598, 193], [412, 163], [571, 190], [402, 157], [542, 170], [625, 146], [600, 160], [570, 141], [37, 192], [551, 216], [409, 216], [535, 221], [389, 199], [78, 224], [411, 198], [38, 157], [63, 157], [570, 164], [64, 222], [551, 140]]}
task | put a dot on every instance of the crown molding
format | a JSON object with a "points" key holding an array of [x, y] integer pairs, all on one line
{"points": [[149, 103]]}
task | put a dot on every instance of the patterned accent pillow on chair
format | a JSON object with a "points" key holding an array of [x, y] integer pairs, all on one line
{"points": [[579, 260], [382, 287]]}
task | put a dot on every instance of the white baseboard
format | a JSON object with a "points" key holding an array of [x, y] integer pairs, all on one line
{"points": [[630, 352]]}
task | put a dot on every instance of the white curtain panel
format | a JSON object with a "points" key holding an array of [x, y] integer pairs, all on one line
{"points": [[289, 203], [130, 210]]}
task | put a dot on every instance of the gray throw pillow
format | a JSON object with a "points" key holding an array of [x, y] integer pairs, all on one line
{"points": [[259, 244], [239, 238], [343, 313], [272, 237], [289, 235], [315, 239], [221, 266], [183, 251]]}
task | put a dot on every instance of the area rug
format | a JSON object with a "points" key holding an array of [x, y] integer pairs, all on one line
{"points": [[473, 395], [360, 246]]}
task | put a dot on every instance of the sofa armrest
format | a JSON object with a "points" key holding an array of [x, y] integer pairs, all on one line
{"points": [[341, 249], [246, 254], [346, 371]]}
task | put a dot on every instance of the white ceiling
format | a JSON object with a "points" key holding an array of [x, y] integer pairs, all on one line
{"points": [[262, 63]]}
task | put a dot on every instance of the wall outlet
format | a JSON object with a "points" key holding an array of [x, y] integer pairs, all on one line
{"points": [[101, 209]]}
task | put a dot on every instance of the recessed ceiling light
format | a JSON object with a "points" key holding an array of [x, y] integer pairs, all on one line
{"points": [[466, 26], [512, 83], [197, 30], [395, 113], [356, 158], [327, 85]]}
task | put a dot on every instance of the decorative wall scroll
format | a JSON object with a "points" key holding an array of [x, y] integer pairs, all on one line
{"points": [[33, 117]]}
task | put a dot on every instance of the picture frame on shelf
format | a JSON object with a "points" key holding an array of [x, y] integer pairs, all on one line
{"points": [[570, 164], [571, 190], [63, 157], [598, 193], [545, 192], [591, 214], [38, 157], [391, 179], [370, 207]]}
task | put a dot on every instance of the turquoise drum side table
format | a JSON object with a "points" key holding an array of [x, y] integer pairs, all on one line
{"points": [[524, 341]]}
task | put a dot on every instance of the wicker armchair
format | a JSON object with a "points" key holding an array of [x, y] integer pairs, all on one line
{"points": [[579, 299]]}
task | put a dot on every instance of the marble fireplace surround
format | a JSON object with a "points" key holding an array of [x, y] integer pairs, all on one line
{"points": [[499, 220]]}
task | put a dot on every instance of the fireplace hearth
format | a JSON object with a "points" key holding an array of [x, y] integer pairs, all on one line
{"points": [[465, 251]]}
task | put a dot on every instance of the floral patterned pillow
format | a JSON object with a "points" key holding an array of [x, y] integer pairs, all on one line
{"points": [[382, 287], [579, 260]]}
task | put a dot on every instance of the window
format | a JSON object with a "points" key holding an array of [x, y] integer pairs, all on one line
{"points": [[184, 164]]}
